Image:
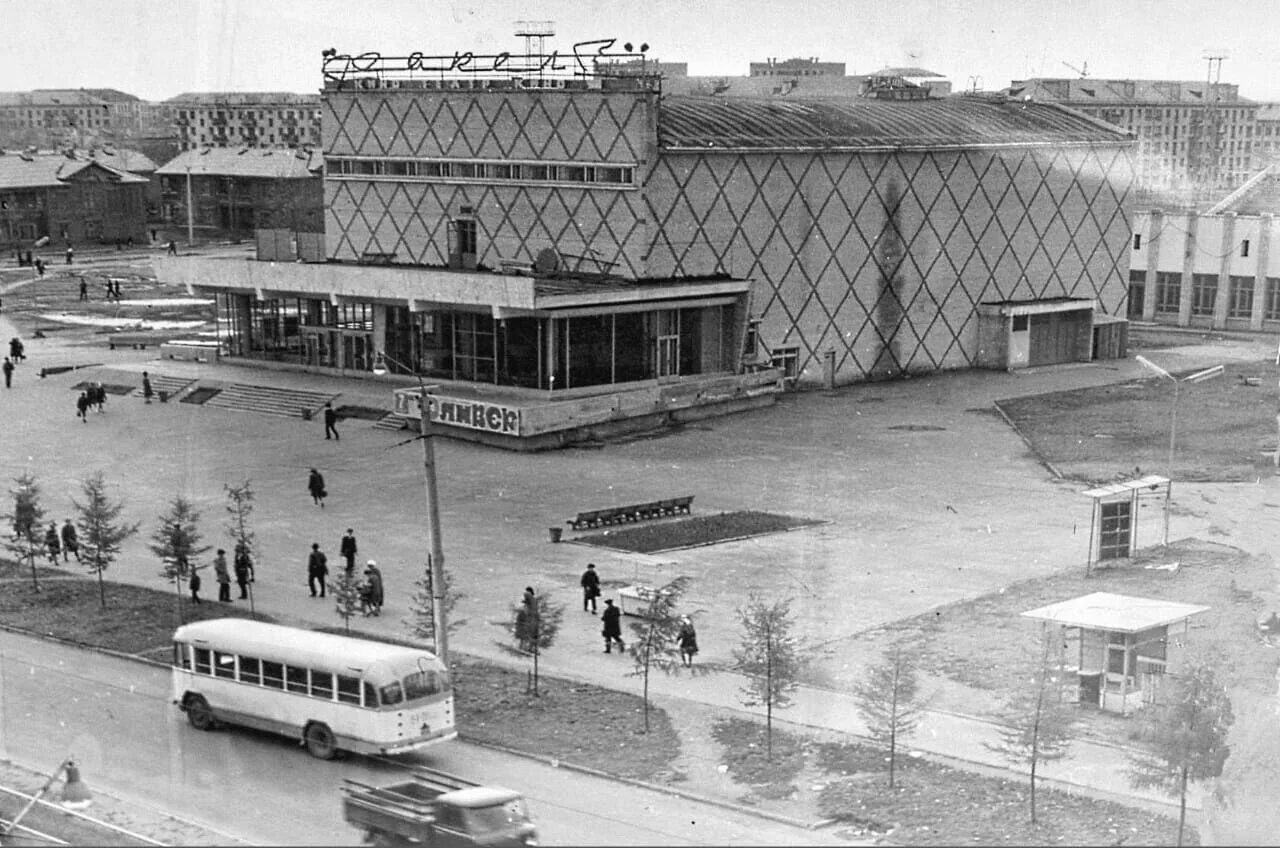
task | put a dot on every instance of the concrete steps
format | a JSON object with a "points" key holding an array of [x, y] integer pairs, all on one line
{"points": [[391, 422], [171, 387], [291, 403]]}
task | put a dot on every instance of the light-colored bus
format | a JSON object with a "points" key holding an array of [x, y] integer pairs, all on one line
{"points": [[331, 692]]}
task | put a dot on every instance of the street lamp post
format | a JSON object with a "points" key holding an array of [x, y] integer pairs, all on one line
{"points": [[1198, 377], [435, 559]]}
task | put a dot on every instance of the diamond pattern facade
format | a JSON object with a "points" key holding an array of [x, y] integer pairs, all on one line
{"points": [[884, 257], [881, 255]]}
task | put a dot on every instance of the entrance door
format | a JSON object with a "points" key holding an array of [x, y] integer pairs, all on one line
{"points": [[1055, 337], [668, 356]]}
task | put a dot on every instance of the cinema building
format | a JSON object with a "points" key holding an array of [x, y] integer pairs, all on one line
{"points": [[586, 255]]}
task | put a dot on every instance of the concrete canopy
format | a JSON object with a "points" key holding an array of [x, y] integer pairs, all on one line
{"points": [[1122, 613]]}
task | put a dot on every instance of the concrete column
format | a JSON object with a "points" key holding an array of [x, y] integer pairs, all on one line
{"points": [[1265, 223], [379, 336], [1188, 269], [1223, 297], [240, 303], [1155, 224]]}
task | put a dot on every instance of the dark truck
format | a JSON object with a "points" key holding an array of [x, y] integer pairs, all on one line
{"points": [[440, 810]]}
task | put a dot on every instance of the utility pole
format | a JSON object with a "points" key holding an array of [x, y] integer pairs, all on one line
{"points": [[1212, 144], [191, 226]]}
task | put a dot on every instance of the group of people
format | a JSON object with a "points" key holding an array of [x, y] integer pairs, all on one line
{"points": [[64, 543], [16, 354], [611, 618], [243, 568], [94, 395], [369, 590]]}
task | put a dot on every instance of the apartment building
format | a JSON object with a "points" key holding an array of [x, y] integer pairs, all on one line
{"points": [[1191, 135], [246, 119]]}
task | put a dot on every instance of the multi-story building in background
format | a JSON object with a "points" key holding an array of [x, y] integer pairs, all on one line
{"points": [[1195, 139], [48, 118], [1266, 135], [246, 119]]}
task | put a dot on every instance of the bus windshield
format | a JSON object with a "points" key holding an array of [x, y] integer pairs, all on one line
{"points": [[423, 683]]}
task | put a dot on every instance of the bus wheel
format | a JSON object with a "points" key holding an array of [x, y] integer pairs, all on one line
{"points": [[199, 714], [320, 741]]}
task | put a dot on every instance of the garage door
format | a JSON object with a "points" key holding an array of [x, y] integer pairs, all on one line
{"points": [[1055, 336]]}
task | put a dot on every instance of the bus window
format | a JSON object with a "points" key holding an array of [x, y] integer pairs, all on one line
{"points": [[224, 664], [370, 694], [273, 674], [250, 671], [322, 685], [420, 684], [296, 678], [202, 661], [349, 689], [391, 694], [181, 657]]}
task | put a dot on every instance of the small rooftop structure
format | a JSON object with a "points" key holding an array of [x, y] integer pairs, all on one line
{"points": [[1121, 613]]}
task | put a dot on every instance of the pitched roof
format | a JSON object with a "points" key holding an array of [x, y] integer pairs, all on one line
{"points": [[46, 170], [1260, 195], [50, 97], [245, 98], [774, 123], [1088, 90], [245, 162], [121, 159]]}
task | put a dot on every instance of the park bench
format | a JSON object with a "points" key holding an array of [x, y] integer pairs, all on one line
{"points": [[592, 518]]}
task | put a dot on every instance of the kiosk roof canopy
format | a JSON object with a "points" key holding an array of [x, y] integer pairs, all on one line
{"points": [[1124, 613]]}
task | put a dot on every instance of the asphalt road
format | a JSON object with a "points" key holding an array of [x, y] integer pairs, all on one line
{"points": [[114, 717]]}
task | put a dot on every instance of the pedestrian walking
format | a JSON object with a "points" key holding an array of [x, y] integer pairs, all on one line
{"points": [[315, 485], [70, 253], [348, 549], [70, 543], [22, 352], [223, 576], [146, 387], [173, 248], [51, 543], [330, 421], [15, 349], [687, 638], [317, 569], [612, 632], [590, 587], [371, 597], [244, 570], [194, 585], [82, 407], [100, 397], [8, 373], [84, 289], [39, 263]]}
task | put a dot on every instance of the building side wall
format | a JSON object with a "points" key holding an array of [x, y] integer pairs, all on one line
{"points": [[514, 221], [884, 258]]}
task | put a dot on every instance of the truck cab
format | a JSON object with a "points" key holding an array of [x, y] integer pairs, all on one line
{"points": [[439, 811]]}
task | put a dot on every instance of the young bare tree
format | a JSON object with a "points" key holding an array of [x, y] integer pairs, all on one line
{"points": [[239, 509], [655, 636], [889, 699], [346, 596], [177, 542], [422, 620], [26, 519], [771, 658], [100, 528], [1187, 735], [1039, 723], [535, 630]]}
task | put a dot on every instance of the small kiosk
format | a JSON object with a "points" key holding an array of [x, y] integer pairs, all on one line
{"points": [[1122, 645]]}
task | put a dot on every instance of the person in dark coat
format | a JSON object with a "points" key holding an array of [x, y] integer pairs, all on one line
{"points": [[84, 289], [82, 407], [315, 485], [590, 587], [8, 373], [146, 387], [347, 547], [194, 585], [687, 638], [372, 596], [612, 618], [317, 569], [244, 570], [223, 576], [51, 542], [70, 544], [15, 349], [330, 421]]}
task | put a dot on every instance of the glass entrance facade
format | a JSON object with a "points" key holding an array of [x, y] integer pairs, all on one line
{"points": [[552, 353]]}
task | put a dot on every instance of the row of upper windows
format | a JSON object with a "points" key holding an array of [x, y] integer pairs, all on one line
{"points": [[301, 680], [610, 176]]}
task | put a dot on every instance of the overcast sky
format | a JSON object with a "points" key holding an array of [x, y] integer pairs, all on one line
{"points": [[158, 48]]}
